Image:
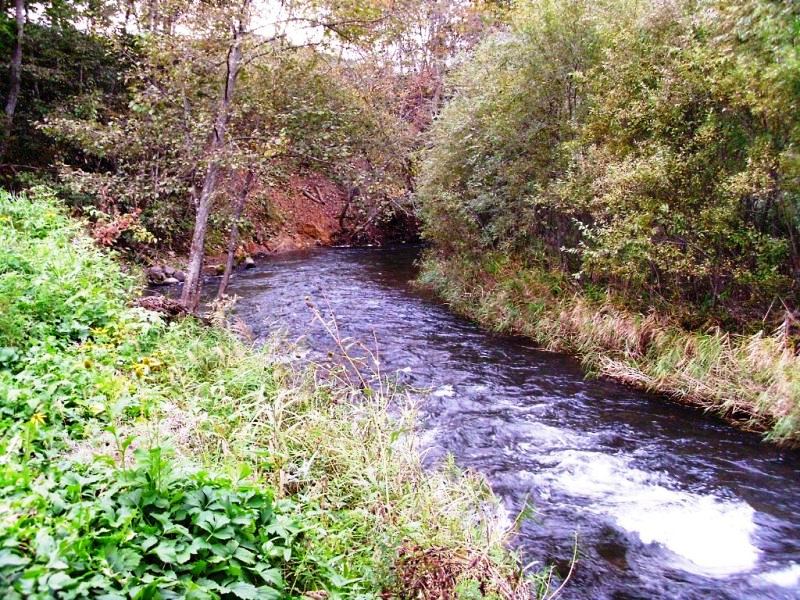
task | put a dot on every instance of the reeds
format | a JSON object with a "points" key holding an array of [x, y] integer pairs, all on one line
{"points": [[751, 381]]}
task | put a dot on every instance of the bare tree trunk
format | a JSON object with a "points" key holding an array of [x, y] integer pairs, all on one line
{"points": [[233, 241], [152, 15], [16, 79], [190, 297]]}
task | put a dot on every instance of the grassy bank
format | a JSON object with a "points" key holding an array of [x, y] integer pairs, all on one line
{"points": [[146, 459], [751, 381]]}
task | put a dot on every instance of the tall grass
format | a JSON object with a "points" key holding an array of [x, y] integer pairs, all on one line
{"points": [[752, 381], [352, 465], [152, 459]]}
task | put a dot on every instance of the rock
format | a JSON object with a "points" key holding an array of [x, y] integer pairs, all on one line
{"points": [[180, 276], [171, 309], [169, 271], [170, 281], [249, 263], [155, 274]]}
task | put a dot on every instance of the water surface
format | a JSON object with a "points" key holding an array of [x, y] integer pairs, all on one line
{"points": [[666, 503]]}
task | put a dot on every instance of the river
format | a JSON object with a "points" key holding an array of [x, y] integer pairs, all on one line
{"points": [[665, 502]]}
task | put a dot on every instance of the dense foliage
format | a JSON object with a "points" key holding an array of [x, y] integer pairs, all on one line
{"points": [[71, 361], [117, 103], [142, 532], [150, 460], [650, 148], [62, 66], [295, 115]]}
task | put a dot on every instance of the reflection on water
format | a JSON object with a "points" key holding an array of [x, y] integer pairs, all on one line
{"points": [[666, 503]]}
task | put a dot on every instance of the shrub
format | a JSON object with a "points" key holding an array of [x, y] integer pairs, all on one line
{"points": [[55, 287], [148, 531], [646, 147]]}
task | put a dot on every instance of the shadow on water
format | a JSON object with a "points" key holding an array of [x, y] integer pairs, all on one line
{"points": [[666, 502]]}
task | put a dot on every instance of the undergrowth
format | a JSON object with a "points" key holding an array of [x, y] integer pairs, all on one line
{"points": [[752, 381], [145, 459]]}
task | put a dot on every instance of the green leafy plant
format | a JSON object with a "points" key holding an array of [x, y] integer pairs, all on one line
{"points": [[149, 531]]}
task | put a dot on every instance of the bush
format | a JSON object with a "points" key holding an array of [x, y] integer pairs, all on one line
{"points": [[144, 532], [650, 148], [55, 287]]}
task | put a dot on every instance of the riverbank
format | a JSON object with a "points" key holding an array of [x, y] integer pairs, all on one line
{"points": [[752, 382], [147, 457]]}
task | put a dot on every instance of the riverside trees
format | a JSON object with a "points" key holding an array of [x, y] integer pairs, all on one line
{"points": [[647, 148], [214, 90], [177, 99]]}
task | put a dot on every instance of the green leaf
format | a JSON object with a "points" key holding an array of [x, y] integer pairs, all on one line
{"points": [[246, 591], [269, 574], [123, 559], [59, 580], [166, 552], [245, 556], [268, 593], [149, 542], [44, 544], [9, 559]]}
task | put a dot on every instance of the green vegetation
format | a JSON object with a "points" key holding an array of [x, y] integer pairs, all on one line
{"points": [[132, 165], [604, 161], [62, 66], [181, 126], [753, 381], [145, 459]]}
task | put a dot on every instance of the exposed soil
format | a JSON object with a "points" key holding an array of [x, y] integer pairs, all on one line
{"points": [[312, 210], [308, 211]]}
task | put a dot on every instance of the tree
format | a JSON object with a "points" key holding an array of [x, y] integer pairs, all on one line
{"points": [[238, 24], [15, 77], [648, 149], [233, 238], [214, 91]]}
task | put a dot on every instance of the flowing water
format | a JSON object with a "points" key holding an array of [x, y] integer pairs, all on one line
{"points": [[665, 502]]}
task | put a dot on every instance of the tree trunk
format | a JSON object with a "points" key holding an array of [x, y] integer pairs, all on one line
{"points": [[190, 297], [233, 241], [16, 79]]}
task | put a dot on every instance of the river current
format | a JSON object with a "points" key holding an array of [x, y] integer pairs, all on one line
{"points": [[665, 501]]}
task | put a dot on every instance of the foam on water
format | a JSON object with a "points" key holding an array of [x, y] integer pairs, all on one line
{"points": [[446, 391], [705, 534], [788, 577], [539, 435]]}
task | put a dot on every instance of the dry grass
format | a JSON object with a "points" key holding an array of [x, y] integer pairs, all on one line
{"points": [[751, 381], [438, 573]]}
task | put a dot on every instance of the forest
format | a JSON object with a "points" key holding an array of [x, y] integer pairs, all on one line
{"points": [[615, 180]]}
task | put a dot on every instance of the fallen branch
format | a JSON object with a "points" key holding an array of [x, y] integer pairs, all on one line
{"points": [[311, 197]]}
